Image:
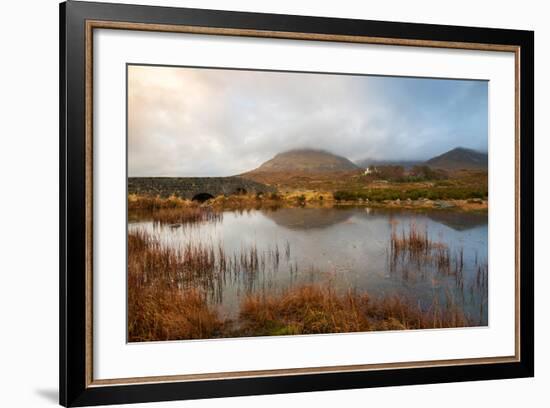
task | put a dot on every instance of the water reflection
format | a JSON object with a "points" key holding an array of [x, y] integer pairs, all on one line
{"points": [[460, 221], [307, 218], [264, 250]]}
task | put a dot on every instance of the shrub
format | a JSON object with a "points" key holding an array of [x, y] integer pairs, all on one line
{"points": [[423, 172], [436, 193], [392, 173]]}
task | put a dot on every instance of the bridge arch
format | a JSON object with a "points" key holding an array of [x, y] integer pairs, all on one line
{"points": [[202, 197]]}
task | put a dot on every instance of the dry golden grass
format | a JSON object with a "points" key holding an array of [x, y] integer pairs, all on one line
{"points": [[171, 210], [416, 242], [151, 203], [157, 313], [160, 304], [169, 291], [314, 309], [185, 215], [174, 209], [246, 201], [415, 245]]}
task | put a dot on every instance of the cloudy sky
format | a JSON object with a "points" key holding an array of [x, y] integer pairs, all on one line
{"points": [[214, 122]]}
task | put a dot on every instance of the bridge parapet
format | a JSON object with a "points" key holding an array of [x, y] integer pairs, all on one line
{"points": [[192, 187]]}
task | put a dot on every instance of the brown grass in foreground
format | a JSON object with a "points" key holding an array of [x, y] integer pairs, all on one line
{"points": [[315, 309], [160, 304], [156, 313], [169, 290], [189, 266]]}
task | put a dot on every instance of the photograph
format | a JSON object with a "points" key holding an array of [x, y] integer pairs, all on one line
{"points": [[268, 203]]}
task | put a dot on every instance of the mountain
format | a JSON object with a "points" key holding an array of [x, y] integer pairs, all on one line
{"points": [[459, 158], [305, 161], [373, 162]]}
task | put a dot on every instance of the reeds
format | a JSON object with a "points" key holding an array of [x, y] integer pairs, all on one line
{"points": [[162, 211], [157, 313], [171, 289], [152, 203], [187, 215], [415, 254], [415, 242], [414, 245], [186, 267], [173, 292], [206, 266], [319, 308], [160, 305]]}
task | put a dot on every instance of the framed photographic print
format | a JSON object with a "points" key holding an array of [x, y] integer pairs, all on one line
{"points": [[256, 203]]}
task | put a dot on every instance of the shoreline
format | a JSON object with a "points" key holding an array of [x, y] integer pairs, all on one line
{"points": [[300, 200], [425, 204]]}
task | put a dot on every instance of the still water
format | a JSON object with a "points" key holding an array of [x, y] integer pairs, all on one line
{"points": [[346, 247]]}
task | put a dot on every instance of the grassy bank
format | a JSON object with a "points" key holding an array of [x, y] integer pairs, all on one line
{"points": [[177, 210], [158, 313], [145, 202], [316, 309]]}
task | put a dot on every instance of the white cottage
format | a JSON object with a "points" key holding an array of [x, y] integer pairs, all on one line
{"points": [[370, 170]]}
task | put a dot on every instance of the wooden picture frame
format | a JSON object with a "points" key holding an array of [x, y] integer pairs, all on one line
{"points": [[78, 20]]}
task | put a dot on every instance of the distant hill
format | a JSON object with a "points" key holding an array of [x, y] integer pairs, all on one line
{"points": [[373, 162], [305, 161], [459, 158]]}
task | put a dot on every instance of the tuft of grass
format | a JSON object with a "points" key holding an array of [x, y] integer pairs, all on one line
{"points": [[157, 313], [186, 215], [150, 203], [415, 245], [171, 210], [416, 242], [314, 309]]}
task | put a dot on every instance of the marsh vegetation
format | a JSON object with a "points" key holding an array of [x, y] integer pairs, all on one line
{"points": [[206, 271]]}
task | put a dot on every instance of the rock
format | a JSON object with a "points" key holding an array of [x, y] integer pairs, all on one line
{"points": [[475, 201], [443, 204]]}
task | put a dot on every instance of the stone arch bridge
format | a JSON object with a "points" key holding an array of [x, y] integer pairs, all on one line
{"points": [[195, 188]]}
